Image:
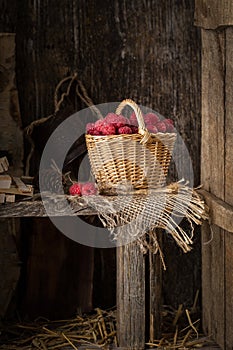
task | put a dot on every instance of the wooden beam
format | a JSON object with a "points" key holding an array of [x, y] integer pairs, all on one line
{"points": [[211, 14], [221, 213]]}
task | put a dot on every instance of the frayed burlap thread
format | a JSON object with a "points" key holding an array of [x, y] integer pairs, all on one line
{"points": [[135, 215]]}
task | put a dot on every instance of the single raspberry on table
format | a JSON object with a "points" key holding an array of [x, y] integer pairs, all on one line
{"points": [[108, 129], [76, 189], [125, 130], [152, 128], [89, 189], [161, 126], [151, 118]]}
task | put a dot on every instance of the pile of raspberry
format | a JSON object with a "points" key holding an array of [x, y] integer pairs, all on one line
{"points": [[114, 124], [83, 189]]}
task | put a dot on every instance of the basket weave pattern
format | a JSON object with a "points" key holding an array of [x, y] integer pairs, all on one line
{"points": [[141, 160]]}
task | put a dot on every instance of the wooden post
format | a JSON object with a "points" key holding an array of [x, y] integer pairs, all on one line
{"points": [[215, 17], [130, 297]]}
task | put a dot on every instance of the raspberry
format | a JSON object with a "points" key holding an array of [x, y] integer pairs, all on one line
{"points": [[133, 119], [152, 128], [94, 132], [99, 124], [134, 129], [75, 189], [125, 130], [169, 125], [89, 189], [108, 129], [161, 126], [116, 120], [151, 118], [89, 127]]}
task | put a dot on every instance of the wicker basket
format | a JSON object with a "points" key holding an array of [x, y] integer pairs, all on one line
{"points": [[140, 160]]}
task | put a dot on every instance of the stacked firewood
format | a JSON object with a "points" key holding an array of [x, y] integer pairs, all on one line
{"points": [[11, 186]]}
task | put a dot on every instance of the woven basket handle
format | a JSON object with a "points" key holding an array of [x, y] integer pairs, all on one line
{"points": [[142, 127]]}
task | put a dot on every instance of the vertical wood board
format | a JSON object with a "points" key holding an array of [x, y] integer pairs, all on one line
{"points": [[213, 110], [229, 118], [228, 289], [213, 288]]}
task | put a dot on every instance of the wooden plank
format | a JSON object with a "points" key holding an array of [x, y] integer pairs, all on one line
{"points": [[228, 289], [2, 198], [213, 288], [211, 14], [155, 290], [130, 297], [4, 164], [213, 111], [17, 191], [229, 118], [21, 185], [220, 213], [10, 198]]}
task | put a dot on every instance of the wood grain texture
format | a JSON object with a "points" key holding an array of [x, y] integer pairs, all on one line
{"points": [[228, 118], [213, 283], [220, 213], [130, 297], [211, 14], [55, 275], [11, 144], [155, 289], [228, 289], [213, 112]]}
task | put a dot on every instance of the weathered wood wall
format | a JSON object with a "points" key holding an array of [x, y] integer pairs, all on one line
{"points": [[11, 145], [148, 51], [216, 19]]}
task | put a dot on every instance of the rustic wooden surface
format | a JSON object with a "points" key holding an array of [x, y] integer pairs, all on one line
{"points": [[54, 276], [130, 297], [213, 282], [228, 117], [155, 292], [211, 14], [11, 145], [217, 169], [221, 213]]}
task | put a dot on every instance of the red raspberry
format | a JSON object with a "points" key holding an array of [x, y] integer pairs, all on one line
{"points": [[152, 128], [133, 119], [75, 189], [134, 129], [116, 120], [89, 189], [89, 127], [125, 130], [99, 124], [161, 126], [108, 129], [94, 132], [151, 118], [169, 125]]}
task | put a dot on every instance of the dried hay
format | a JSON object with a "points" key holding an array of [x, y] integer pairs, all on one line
{"points": [[181, 330]]}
